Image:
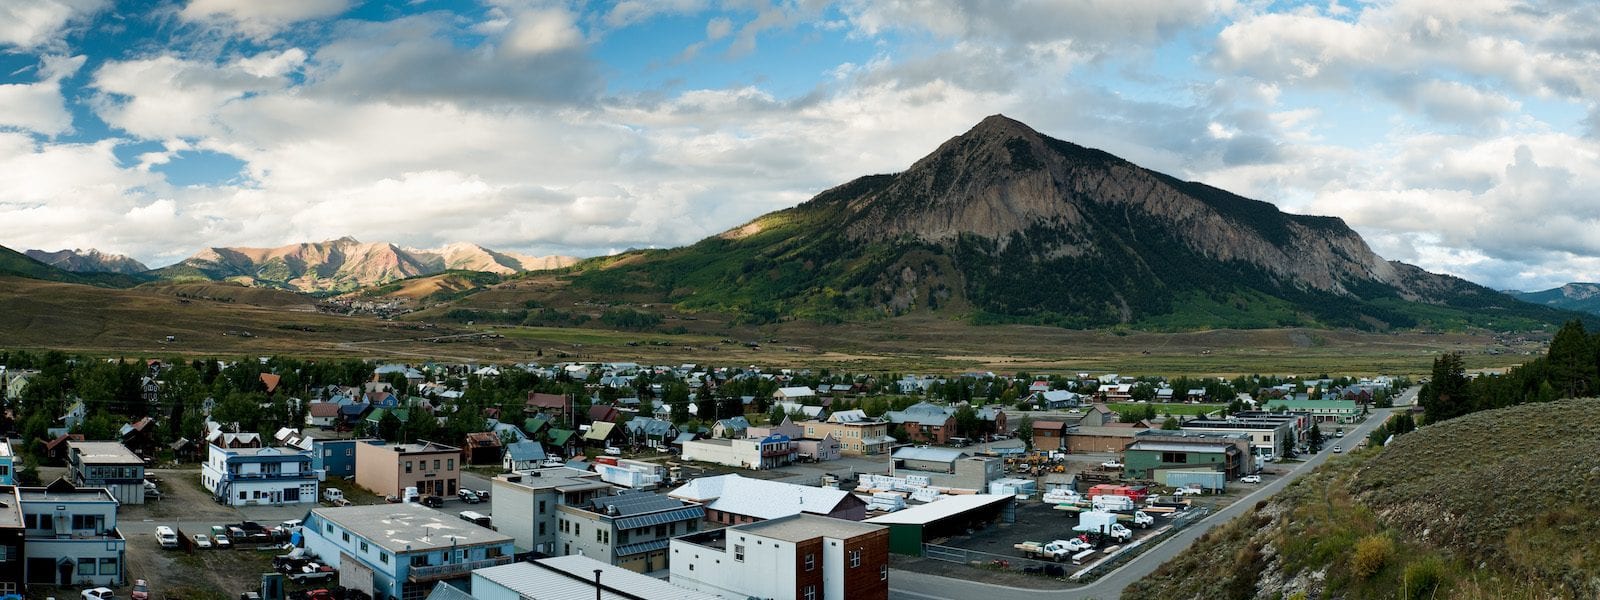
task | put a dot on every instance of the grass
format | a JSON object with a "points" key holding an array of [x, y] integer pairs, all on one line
{"points": [[1497, 504], [1169, 409]]}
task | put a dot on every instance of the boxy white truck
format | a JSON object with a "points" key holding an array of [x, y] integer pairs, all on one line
{"points": [[1111, 503], [1103, 523]]}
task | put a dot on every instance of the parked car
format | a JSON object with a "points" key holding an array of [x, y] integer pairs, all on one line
{"points": [[99, 593], [1250, 479], [613, 451], [553, 462], [482, 494], [167, 537], [433, 501], [391, 499], [468, 496], [221, 541], [201, 541], [1337, 449], [141, 590]]}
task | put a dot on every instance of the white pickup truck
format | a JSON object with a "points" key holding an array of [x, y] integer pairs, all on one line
{"points": [[1057, 550]]}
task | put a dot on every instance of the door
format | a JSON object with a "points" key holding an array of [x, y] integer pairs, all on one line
{"points": [[64, 572]]}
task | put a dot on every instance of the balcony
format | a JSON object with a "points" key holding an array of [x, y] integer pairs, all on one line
{"points": [[451, 570]]}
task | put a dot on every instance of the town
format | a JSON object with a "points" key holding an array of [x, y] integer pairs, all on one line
{"points": [[289, 478]]}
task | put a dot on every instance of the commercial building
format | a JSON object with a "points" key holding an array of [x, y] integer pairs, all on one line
{"points": [[758, 454], [1323, 411], [1267, 435], [802, 556], [732, 499], [572, 578], [70, 536], [925, 422], [524, 504], [390, 468], [1156, 450], [1084, 439], [251, 476], [108, 465], [13, 542], [1049, 435], [951, 515], [858, 434], [401, 550], [948, 467], [630, 529]]}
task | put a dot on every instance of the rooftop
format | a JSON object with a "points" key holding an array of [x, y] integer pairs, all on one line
{"points": [[62, 490], [561, 479], [10, 507], [105, 453], [943, 508], [759, 498], [802, 527], [929, 454], [416, 448], [1195, 447], [409, 528], [572, 578]]}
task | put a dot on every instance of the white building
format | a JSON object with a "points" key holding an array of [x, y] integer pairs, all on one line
{"points": [[71, 537], [249, 476], [572, 578], [759, 454], [804, 557]]}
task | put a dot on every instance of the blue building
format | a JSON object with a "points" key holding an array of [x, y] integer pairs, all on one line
{"points": [[408, 548], [251, 476], [336, 458], [8, 467]]}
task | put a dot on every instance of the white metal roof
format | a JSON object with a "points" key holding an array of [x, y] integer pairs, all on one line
{"points": [[572, 578], [758, 497], [948, 506]]}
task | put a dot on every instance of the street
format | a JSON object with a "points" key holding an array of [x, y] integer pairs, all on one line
{"points": [[904, 585]]}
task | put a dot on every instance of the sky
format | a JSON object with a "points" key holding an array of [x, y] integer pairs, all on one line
{"points": [[1462, 136]]}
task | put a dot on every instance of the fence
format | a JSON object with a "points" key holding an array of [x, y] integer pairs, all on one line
{"points": [[1011, 562]]}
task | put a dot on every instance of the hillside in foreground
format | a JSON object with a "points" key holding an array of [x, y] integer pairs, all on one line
{"points": [[1497, 504]]}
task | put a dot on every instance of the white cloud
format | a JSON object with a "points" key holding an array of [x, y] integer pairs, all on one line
{"points": [[28, 24], [543, 31], [166, 96], [260, 18], [39, 106]]}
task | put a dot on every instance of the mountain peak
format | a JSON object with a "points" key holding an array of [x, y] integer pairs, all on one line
{"points": [[80, 260], [1000, 126]]}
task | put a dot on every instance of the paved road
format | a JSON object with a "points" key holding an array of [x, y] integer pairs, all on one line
{"points": [[905, 585]]}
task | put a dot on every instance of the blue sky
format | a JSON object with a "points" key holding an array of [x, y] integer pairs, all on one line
{"points": [[1458, 135]]}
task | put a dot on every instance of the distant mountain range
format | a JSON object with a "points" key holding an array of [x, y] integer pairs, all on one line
{"points": [[88, 261], [346, 264], [1584, 297], [1003, 224]]}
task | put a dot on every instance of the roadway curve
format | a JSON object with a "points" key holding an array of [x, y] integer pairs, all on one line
{"points": [[906, 585]]}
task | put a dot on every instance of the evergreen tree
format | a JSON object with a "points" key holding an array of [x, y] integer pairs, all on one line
{"points": [[1572, 361], [1447, 395]]}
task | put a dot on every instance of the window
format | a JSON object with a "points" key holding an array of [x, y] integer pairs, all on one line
{"points": [[597, 535], [883, 573], [541, 507], [328, 527], [86, 566], [811, 561], [738, 552], [575, 527], [383, 557], [242, 496], [108, 566], [345, 535], [541, 528], [855, 558], [363, 545], [349, 451], [408, 466], [450, 463], [435, 464], [327, 452], [811, 592], [1174, 457]]}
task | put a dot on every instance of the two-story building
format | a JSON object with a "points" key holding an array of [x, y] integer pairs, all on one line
{"points": [[13, 541], [770, 452], [803, 556], [336, 457], [388, 469], [250, 476], [925, 422], [108, 465], [629, 529], [524, 503], [858, 434], [403, 550], [70, 536], [731, 499], [1268, 436], [8, 470]]}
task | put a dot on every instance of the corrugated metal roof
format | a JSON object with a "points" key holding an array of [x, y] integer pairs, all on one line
{"points": [[943, 508], [929, 454], [759, 498], [642, 547], [572, 578]]}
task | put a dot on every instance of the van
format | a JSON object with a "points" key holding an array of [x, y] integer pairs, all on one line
{"points": [[475, 518], [167, 537], [960, 442], [410, 495], [333, 495]]}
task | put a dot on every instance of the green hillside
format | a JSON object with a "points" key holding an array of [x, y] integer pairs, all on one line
{"points": [[1497, 504], [20, 265]]}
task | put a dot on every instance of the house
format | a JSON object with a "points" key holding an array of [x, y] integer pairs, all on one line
{"points": [[270, 382], [1049, 435], [388, 469], [75, 415], [858, 434], [525, 503], [948, 467], [925, 422], [13, 542], [336, 458], [646, 431], [483, 448], [818, 450], [570, 578], [107, 465], [252, 476], [139, 436], [600, 434], [786, 427], [750, 453], [56, 448], [800, 394], [352, 415], [733, 427], [8, 471], [322, 414], [525, 455], [807, 410], [630, 529], [603, 413], [1116, 392], [1057, 399], [800, 556], [559, 440], [234, 440], [70, 536], [556, 405], [534, 425], [413, 377], [732, 499], [992, 419], [404, 549]]}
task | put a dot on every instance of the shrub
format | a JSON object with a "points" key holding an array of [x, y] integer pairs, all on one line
{"points": [[1422, 578], [1372, 553]]}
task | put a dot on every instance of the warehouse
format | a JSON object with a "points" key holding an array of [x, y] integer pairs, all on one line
{"points": [[952, 515]]}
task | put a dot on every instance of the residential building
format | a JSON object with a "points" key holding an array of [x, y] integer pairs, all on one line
{"points": [[572, 578], [322, 414], [524, 504], [336, 458], [948, 467], [731, 428], [795, 394], [630, 529], [404, 549], [108, 465], [8, 471], [758, 454], [600, 434], [650, 432], [388, 469], [70, 536], [13, 541], [858, 434], [803, 556], [732, 499], [925, 422], [251, 476], [483, 448], [557, 406], [525, 455]]}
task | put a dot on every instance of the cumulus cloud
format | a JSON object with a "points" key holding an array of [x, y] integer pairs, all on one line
{"points": [[39, 106], [28, 24], [258, 18]]}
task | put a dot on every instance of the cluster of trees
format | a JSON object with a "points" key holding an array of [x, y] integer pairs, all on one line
{"points": [[1570, 369]]}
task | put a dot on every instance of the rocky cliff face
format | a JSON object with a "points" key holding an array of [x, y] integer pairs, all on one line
{"points": [[88, 261], [345, 264]]}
